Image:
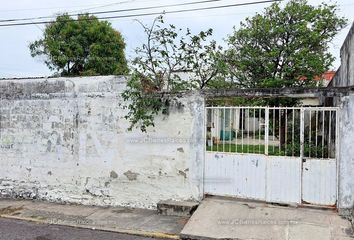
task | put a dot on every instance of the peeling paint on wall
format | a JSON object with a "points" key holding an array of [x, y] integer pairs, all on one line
{"points": [[132, 176], [65, 140], [113, 174]]}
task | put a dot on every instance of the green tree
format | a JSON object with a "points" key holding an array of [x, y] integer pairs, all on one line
{"points": [[82, 46], [171, 60], [284, 46]]}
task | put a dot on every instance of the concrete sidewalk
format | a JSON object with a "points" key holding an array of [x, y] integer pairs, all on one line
{"points": [[123, 220], [220, 218]]}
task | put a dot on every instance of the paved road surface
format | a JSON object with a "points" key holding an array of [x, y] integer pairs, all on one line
{"points": [[21, 230]]}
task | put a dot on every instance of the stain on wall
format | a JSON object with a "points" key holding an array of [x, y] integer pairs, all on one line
{"points": [[72, 135], [132, 176], [113, 174], [345, 78], [346, 153]]}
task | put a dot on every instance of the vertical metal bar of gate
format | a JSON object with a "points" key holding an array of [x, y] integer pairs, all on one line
{"points": [[266, 131], [302, 140], [337, 153], [205, 133], [302, 129]]}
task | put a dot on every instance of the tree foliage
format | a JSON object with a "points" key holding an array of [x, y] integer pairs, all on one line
{"points": [[85, 46], [171, 60], [283, 47]]}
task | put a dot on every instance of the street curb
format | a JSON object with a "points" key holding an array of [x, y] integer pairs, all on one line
{"points": [[122, 231]]}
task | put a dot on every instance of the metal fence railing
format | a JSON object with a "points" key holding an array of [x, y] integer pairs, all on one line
{"points": [[309, 132]]}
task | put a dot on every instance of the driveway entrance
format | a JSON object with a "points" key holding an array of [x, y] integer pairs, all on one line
{"points": [[273, 154], [222, 218]]}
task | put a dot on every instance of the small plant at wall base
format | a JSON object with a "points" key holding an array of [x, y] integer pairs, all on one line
{"points": [[170, 61], [82, 46]]}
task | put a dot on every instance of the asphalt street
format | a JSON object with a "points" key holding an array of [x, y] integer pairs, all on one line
{"points": [[22, 230]]}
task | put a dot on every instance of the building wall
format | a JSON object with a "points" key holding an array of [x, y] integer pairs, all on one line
{"points": [[345, 74], [345, 78], [346, 152], [66, 140], [310, 102]]}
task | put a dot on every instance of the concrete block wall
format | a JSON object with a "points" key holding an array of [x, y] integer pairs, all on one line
{"points": [[66, 140]]}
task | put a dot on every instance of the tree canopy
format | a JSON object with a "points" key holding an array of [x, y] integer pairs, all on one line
{"points": [[82, 46], [284, 46], [170, 60]]}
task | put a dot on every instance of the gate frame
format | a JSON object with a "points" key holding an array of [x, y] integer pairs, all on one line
{"points": [[266, 140]]}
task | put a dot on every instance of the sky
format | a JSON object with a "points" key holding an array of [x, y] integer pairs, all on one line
{"points": [[16, 61]]}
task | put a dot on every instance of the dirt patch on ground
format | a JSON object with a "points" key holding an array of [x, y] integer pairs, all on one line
{"points": [[10, 210]]}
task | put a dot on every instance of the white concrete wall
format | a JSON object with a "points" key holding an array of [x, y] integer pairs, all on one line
{"points": [[310, 102], [345, 78], [66, 140], [345, 75], [346, 153]]}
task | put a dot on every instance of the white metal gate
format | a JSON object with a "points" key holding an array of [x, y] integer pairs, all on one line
{"points": [[274, 154]]}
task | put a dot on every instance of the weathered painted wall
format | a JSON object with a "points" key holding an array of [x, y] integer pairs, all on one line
{"points": [[66, 140], [345, 74], [346, 153], [253, 176], [345, 78]]}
